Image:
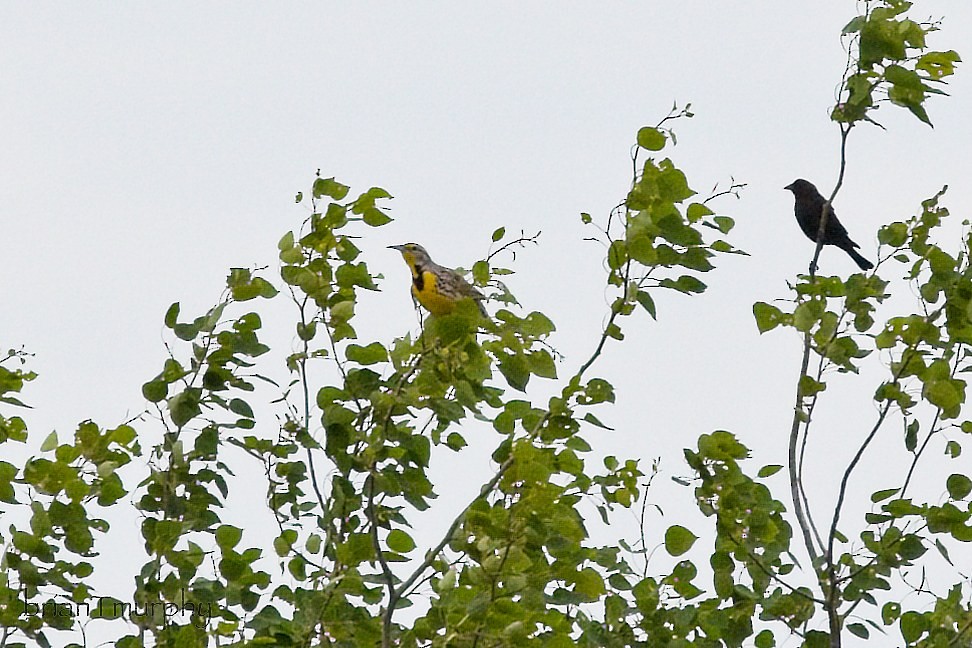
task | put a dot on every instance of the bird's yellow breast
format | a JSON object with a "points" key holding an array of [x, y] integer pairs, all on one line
{"points": [[430, 297]]}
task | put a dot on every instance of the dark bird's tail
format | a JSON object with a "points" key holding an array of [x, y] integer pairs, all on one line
{"points": [[861, 262]]}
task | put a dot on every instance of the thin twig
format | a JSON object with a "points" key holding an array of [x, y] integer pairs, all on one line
{"points": [[773, 576], [522, 240], [306, 394], [828, 209], [832, 536], [386, 621], [433, 553], [798, 504], [924, 445]]}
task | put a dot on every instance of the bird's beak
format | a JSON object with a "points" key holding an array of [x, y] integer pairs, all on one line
{"points": [[400, 248], [789, 187]]}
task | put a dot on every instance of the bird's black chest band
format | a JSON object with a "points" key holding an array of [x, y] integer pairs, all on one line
{"points": [[419, 279]]}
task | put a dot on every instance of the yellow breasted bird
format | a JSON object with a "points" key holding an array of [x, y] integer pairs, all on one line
{"points": [[436, 287]]}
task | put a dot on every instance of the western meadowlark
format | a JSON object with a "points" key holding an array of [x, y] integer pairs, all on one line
{"points": [[436, 287]]}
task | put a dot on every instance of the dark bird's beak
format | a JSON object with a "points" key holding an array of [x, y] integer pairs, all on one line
{"points": [[789, 187], [400, 248]]}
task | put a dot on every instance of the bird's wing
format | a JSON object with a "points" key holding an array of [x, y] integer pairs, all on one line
{"points": [[835, 229], [460, 286], [468, 289]]}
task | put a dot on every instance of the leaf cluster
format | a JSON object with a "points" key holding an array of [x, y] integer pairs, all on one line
{"points": [[891, 62]]}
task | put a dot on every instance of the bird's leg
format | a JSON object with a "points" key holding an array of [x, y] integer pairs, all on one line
{"points": [[421, 319], [825, 212]]}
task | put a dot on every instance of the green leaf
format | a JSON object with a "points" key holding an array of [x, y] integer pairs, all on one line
{"points": [[375, 217], [597, 390], [724, 223], [375, 193], [944, 552], [913, 625], [684, 284], [767, 317], [330, 187], [109, 608], [292, 255], [816, 639], [356, 549], [911, 436], [646, 302], [306, 332], [399, 541], [228, 536], [516, 370], [537, 324], [858, 630], [947, 394], [593, 420], [617, 254], [678, 540], [360, 383], [297, 567], [244, 287], [171, 315], [184, 406], [807, 314], [769, 470], [903, 76], [186, 332], [881, 495], [589, 583], [241, 407], [651, 138], [346, 250], [911, 547], [959, 486], [155, 391], [351, 274], [953, 449], [854, 25], [697, 211], [895, 234], [498, 234], [890, 612], [809, 386], [367, 355], [938, 64], [681, 580], [480, 272], [913, 106], [542, 364], [50, 443]]}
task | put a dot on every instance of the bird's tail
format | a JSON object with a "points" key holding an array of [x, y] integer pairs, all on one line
{"points": [[861, 262], [482, 309]]}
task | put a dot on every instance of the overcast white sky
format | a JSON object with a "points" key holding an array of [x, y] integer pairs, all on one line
{"points": [[144, 150]]}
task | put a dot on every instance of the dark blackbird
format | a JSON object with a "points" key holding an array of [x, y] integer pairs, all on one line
{"points": [[808, 208]]}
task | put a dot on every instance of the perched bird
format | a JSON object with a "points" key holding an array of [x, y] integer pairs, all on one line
{"points": [[436, 287], [808, 208]]}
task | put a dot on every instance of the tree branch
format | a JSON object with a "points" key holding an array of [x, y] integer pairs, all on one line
{"points": [[431, 555]]}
